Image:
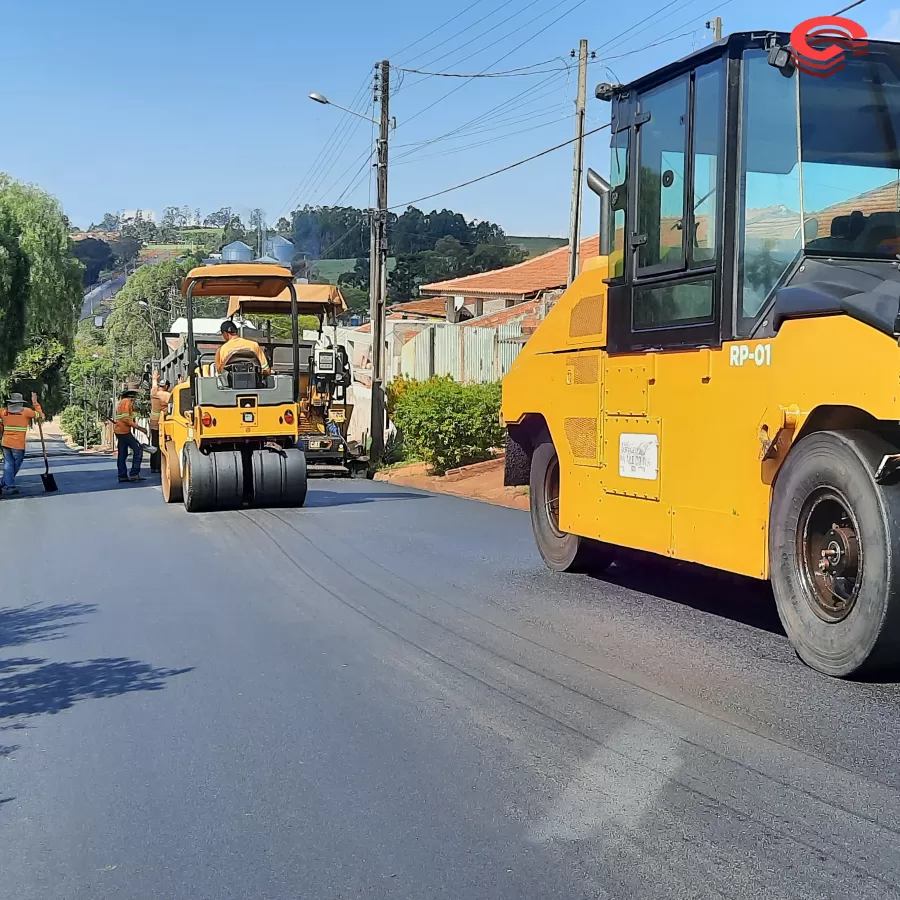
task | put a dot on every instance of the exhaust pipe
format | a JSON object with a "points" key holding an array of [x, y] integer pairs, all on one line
{"points": [[600, 186]]}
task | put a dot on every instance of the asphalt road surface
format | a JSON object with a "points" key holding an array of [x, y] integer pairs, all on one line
{"points": [[100, 294], [385, 695]]}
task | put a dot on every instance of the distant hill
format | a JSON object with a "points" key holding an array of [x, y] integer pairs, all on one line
{"points": [[535, 246]]}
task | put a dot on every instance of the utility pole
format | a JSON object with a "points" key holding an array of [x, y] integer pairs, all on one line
{"points": [[578, 166], [716, 26], [378, 270]]}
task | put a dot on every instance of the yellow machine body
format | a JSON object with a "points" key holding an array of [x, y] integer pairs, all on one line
{"points": [[706, 430]]}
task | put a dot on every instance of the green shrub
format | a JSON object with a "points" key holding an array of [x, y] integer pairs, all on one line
{"points": [[447, 424], [72, 423]]}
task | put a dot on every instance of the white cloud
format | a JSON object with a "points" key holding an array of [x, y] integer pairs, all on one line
{"points": [[891, 30]]}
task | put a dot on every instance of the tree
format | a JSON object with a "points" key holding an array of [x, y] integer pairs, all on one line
{"points": [[218, 219], [32, 219], [359, 277], [234, 231], [110, 222], [95, 256], [13, 294], [125, 250]]}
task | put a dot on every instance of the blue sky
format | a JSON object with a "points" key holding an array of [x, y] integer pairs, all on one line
{"points": [[113, 105]]}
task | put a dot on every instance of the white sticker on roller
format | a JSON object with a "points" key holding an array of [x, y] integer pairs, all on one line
{"points": [[639, 456]]}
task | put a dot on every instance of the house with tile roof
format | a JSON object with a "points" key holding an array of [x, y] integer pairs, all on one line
{"points": [[488, 293]]}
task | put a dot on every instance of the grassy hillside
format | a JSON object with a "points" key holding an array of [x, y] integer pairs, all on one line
{"points": [[331, 269], [535, 246]]}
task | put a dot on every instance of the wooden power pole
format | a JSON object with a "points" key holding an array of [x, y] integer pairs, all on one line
{"points": [[378, 269], [578, 167]]}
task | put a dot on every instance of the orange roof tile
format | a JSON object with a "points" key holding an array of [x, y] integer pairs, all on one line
{"points": [[505, 316], [540, 273], [433, 306]]}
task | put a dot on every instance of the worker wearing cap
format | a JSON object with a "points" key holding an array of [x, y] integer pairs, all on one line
{"points": [[233, 343], [159, 400], [16, 418], [123, 426]]}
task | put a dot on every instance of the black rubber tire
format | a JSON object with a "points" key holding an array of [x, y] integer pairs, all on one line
{"points": [[228, 471], [268, 478], [198, 481], [295, 477], [171, 474], [561, 552], [867, 641]]}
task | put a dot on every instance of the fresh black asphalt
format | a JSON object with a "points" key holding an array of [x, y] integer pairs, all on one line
{"points": [[386, 695]]}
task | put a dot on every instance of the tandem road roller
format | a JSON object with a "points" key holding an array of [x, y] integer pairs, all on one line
{"points": [[325, 378], [722, 384], [229, 438]]}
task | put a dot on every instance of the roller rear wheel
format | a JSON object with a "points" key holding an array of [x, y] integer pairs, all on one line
{"points": [[279, 478], [834, 554], [561, 551], [171, 474]]}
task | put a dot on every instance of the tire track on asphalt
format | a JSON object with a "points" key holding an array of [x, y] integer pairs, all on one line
{"points": [[562, 725]]}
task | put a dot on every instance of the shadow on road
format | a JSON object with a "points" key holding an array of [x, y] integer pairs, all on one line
{"points": [[29, 624], [30, 687], [732, 597], [92, 482], [317, 498]]}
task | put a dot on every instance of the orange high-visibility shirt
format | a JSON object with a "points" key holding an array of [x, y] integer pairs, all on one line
{"points": [[159, 400], [226, 350], [15, 426], [124, 416]]}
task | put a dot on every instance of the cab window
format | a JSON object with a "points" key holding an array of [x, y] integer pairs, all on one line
{"points": [[771, 233], [663, 150], [618, 176]]}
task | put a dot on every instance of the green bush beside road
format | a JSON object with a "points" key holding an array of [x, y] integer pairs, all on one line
{"points": [[448, 424]]}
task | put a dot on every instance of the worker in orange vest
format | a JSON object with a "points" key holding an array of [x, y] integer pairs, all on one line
{"points": [[16, 418], [159, 400], [233, 343], [123, 426]]}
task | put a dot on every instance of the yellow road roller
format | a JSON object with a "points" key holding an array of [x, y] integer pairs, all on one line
{"points": [[325, 376], [722, 384], [229, 438]]}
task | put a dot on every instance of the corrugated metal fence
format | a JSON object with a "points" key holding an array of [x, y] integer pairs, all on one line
{"points": [[466, 353]]}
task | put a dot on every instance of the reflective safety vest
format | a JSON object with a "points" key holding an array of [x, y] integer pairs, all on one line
{"points": [[124, 416], [15, 427], [159, 400]]}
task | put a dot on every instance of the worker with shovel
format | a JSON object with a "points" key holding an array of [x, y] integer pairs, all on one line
{"points": [[16, 418], [123, 426]]}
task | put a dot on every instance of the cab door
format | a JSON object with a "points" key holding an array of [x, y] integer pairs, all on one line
{"points": [[665, 299]]}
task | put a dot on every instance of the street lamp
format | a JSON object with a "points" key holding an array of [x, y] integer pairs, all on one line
{"points": [[321, 98]]}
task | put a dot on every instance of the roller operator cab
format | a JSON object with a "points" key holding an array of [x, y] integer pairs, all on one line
{"points": [[229, 437], [722, 385]]}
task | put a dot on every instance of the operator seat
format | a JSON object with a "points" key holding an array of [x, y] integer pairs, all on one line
{"points": [[242, 372]]}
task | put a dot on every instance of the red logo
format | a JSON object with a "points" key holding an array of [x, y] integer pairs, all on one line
{"points": [[820, 45]]}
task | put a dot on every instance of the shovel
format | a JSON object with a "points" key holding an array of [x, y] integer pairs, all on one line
{"points": [[48, 477]]}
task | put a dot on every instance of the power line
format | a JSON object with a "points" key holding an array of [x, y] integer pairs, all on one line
{"points": [[514, 165], [524, 71], [343, 120], [505, 55], [489, 113], [483, 33], [460, 33], [858, 3], [436, 30]]}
